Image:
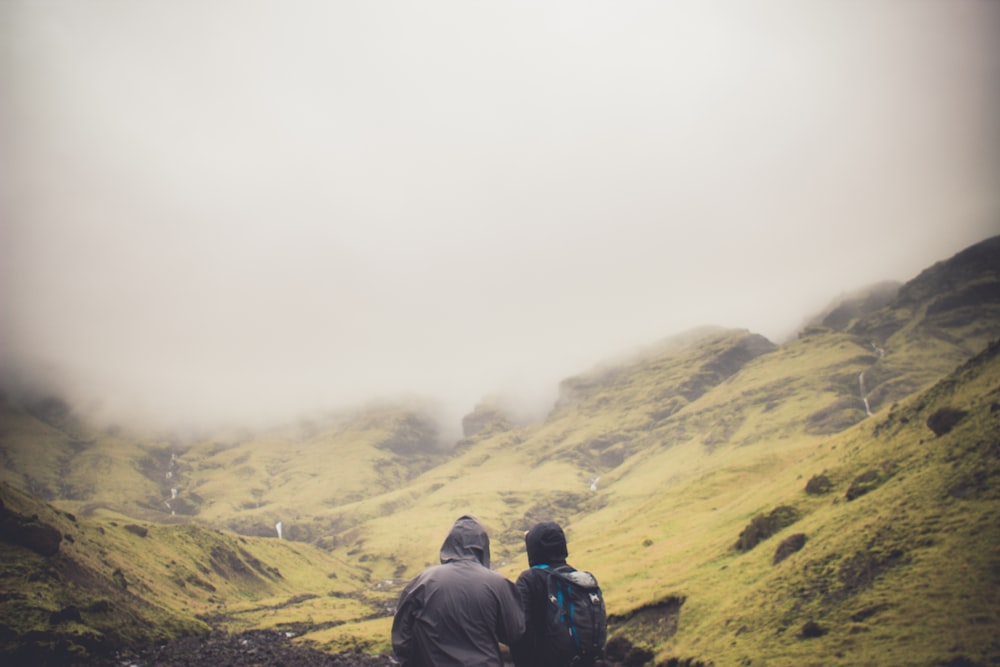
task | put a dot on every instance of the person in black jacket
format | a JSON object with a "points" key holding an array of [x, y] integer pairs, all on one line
{"points": [[545, 543], [455, 614]]}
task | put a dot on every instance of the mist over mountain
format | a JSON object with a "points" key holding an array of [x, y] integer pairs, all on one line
{"points": [[449, 419], [320, 207]]}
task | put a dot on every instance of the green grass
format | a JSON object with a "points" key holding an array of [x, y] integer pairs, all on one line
{"points": [[136, 588]]}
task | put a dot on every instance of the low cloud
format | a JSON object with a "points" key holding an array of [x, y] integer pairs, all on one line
{"points": [[228, 212]]}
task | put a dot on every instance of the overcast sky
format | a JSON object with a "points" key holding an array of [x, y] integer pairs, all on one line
{"points": [[238, 210]]}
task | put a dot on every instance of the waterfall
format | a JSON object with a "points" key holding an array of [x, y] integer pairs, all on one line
{"points": [[278, 528], [864, 397], [173, 494]]}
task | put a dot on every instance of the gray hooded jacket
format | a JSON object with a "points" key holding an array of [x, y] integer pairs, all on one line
{"points": [[454, 614]]}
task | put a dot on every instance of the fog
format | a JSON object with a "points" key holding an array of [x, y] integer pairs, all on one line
{"points": [[218, 211]]}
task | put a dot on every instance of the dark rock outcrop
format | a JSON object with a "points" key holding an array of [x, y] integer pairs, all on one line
{"points": [[789, 546], [944, 420], [764, 526], [29, 532]]}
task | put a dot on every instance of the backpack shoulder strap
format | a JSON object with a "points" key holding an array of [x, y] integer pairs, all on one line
{"points": [[564, 569]]}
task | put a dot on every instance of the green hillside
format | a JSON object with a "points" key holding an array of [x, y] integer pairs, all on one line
{"points": [[73, 586], [829, 501]]}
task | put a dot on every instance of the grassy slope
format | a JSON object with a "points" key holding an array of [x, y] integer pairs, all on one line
{"points": [[905, 575], [132, 588], [67, 462], [289, 475]]}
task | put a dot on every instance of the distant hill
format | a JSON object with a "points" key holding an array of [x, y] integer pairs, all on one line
{"points": [[742, 502]]}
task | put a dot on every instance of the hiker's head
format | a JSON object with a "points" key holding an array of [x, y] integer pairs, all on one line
{"points": [[467, 540], [545, 543]]}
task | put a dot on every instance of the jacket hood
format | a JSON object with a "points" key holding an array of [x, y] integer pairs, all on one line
{"points": [[467, 541], [545, 544]]}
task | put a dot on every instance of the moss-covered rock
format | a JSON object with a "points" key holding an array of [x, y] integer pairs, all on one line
{"points": [[870, 480], [764, 526], [789, 546], [819, 485], [943, 420]]}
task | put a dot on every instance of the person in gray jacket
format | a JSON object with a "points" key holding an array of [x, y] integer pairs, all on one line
{"points": [[457, 613]]}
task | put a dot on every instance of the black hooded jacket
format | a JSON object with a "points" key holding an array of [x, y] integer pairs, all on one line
{"points": [[546, 545], [454, 614]]}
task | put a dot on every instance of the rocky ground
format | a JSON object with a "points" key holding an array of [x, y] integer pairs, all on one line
{"points": [[269, 648], [259, 648]]}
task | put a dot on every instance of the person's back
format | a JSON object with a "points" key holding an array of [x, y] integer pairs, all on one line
{"points": [[454, 614], [546, 549]]}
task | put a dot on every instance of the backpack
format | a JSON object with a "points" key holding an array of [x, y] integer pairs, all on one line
{"points": [[576, 622]]}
